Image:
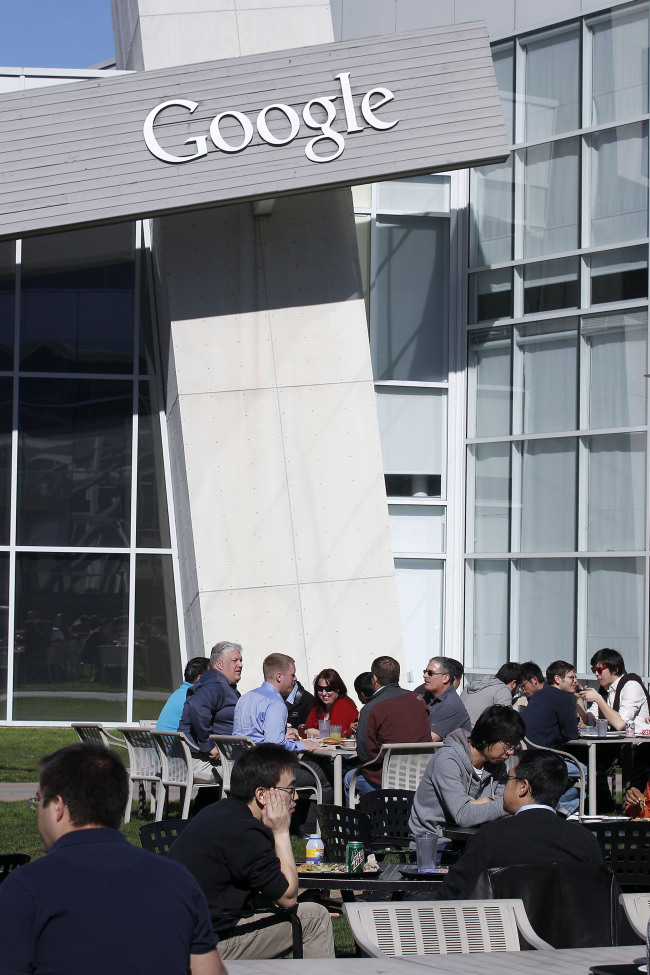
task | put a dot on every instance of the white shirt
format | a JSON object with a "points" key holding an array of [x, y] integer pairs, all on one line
{"points": [[633, 703]]}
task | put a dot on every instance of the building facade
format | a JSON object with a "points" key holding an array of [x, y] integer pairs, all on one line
{"points": [[489, 441]]}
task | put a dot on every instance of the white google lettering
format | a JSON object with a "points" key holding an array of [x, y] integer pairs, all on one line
{"points": [[371, 102]]}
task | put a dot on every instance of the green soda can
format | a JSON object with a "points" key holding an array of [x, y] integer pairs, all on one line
{"points": [[354, 857]]}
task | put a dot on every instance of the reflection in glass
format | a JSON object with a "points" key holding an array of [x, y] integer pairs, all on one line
{"points": [[615, 604], [491, 515], [152, 525], [547, 599], [552, 85], [156, 661], [490, 612], [617, 353], [416, 194], [6, 424], [7, 303], [548, 496], [490, 383], [490, 227], [146, 350], [490, 295], [77, 301], [362, 222], [4, 631], [420, 589], [74, 462], [619, 184], [411, 294], [550, 370], [71, 637], [417, 530], [619, 275], [551, 198], [551, 284], [617, 488], [412, 429], [620, 67], [504, 70]]}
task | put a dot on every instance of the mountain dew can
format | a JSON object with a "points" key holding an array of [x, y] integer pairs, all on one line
{"points": [[354, 857]]}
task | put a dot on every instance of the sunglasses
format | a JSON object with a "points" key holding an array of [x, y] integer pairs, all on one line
{"points": [[322, 688], [598, 669], [432, 673]]}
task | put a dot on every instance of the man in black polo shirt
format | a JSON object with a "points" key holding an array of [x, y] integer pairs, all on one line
{"points": [[96, 904], [239, 848]]}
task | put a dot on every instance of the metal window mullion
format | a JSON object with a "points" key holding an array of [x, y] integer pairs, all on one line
{"points": [[468, 656], [519, 171], [517, 385], [134, 477], [584, 171], [13, 503], [581, 616], [164, 442], [516, 467], [514, 609], [583, 495]]}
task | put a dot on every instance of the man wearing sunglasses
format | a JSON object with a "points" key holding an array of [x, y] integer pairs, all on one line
{"points": [[621, 697]]}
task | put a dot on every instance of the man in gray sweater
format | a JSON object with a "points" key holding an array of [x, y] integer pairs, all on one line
{"points": [[480, 693]]}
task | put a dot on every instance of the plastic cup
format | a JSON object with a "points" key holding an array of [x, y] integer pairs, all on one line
{"points": [[335, 732], [602, 726], [324, 729], [426, 848]]}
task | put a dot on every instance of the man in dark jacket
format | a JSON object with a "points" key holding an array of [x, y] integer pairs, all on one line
{"points": [[210, 708], [299, 704]]}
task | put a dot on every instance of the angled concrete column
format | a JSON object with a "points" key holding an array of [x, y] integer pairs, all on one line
{"points": [[278, 480]]}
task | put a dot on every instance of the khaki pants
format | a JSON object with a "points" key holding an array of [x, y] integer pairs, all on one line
{"points": [[275, 940]]}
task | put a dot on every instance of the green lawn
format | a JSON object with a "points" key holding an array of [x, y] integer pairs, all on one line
{"points": [[21, 748]]}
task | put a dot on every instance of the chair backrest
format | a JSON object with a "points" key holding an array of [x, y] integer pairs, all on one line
{"points": [[175, 757], [405, 764], [144, 761], [158, 837], [439, 927], [230, 748], [338, 826], [389, 811], [9, 862], [582, 788], [569, 904], [637, 911], [626, 849], [91, 732]]}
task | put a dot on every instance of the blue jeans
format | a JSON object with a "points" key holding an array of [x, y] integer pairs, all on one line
{"points": [[569, 801], [362, 785]]}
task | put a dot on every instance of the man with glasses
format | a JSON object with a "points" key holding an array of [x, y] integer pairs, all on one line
{"points": [[446, 709], [239, 849], [532, 834], [551, 719], [85, 906]]}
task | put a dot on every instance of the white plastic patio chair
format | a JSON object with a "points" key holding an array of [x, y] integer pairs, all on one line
{"points": [[440, 927], [402, 766], [637, 909], [144, 763], [95, 732], [176, 769]]}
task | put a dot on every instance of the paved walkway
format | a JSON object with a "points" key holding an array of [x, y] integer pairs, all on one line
{"points": [[15, 791]]}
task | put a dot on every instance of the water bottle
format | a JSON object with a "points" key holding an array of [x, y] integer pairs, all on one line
{"points": [[315, 851]]}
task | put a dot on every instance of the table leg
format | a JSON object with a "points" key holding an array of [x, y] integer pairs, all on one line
{"points": [[591, 768], [338, 779]]}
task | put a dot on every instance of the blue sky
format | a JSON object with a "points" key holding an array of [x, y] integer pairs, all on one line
{"points": [[55, 33]]}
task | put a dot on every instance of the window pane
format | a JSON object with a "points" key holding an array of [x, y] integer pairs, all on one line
{"points": [[619, 184], [552, 85], [619, 275], [490, 225], [410, 295], [551, 284], [547, 599], [6, 425], [617, 493], [489, 363], [77, 301], [147, 339], [503, 69], [491, 513], [617, 355], [490, 295], [71, 629], [548, 492], [7, 303], [417, 194], [156, 659], [549, 352], [412, 427], [74, 462], [417, 530], [420, 590], [490, 613], [620, 67], [152, 526], [615, 609], [551, 198]]}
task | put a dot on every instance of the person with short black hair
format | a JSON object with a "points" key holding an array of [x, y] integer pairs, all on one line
{"points": [[364, 687], [481, 692], [532, 834], [621, 697], [464, 780], [239, 849], [81, 908], [532, 678], [170, 716]]}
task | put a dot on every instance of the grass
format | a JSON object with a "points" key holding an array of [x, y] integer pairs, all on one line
{"points": [[21, 748]]}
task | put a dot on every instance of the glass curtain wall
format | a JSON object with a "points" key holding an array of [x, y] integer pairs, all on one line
{"points": [[89, 626], [404, 246], [557, 354]]}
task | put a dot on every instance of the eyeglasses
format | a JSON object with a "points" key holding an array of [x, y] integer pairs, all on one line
{"points": [[324, 688], [511, 775], [291, 789], [509, 746], [432, 673], [35, 801], [599, 668]]}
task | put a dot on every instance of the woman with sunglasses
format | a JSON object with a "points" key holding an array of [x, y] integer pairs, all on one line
{"points": [[331, 701]]}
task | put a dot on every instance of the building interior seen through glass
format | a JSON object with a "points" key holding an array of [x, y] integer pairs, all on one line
{"points": [[89, 622]]}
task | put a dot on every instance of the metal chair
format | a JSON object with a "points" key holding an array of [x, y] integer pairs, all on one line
{"points": [[567, 755], [9, 862], [176, 769], [637, 911], [158, 837], [402, 766], [338, 826], [144, 763], [626, 850], [389, 811], [411, 928]]}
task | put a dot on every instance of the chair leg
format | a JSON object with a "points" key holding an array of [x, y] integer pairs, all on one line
{"points": [[161, 794], [127, 811], [187, 798]]}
